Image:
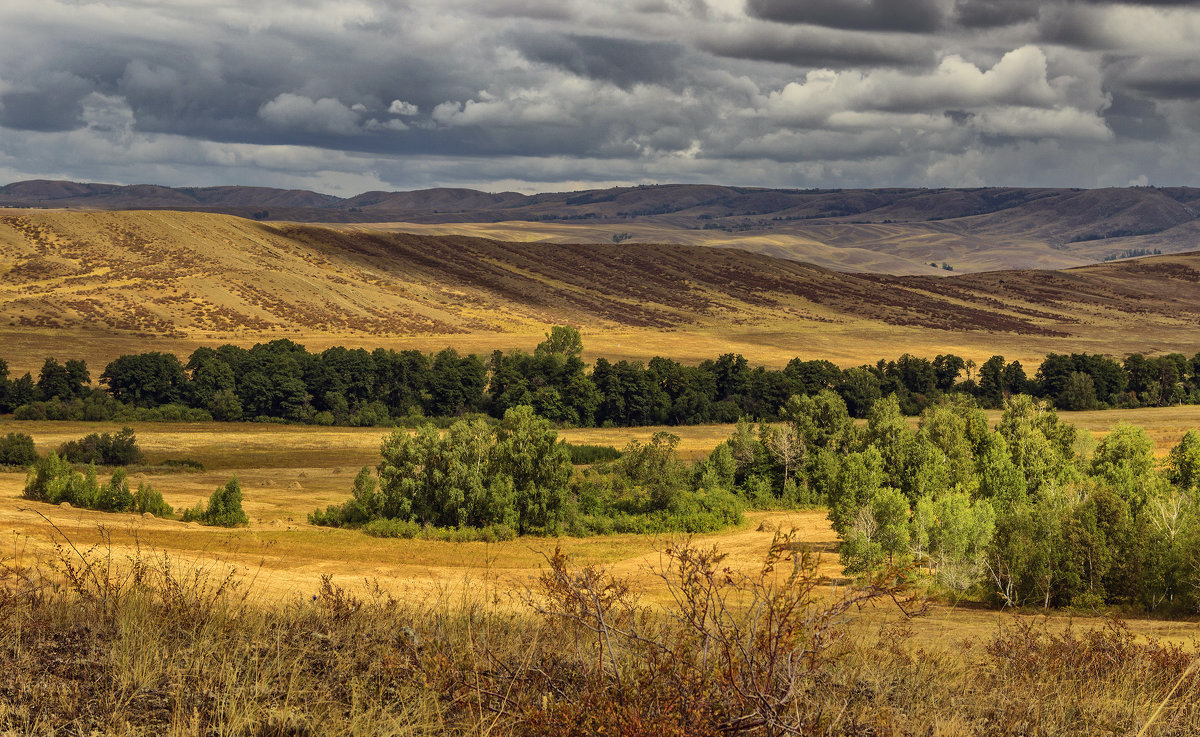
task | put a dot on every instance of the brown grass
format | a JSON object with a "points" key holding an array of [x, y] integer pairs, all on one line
{"points": [[117, 640], [96, 285], [269, 459]]}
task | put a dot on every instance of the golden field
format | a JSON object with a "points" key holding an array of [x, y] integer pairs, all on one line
{"points": [[287, 471], [95, 285]]}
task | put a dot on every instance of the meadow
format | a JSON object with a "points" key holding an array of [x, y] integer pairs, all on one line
{"points": [[121, 624], [287, 471]]}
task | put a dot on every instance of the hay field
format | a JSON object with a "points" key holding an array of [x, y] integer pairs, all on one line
{"points": [[287, 471]]}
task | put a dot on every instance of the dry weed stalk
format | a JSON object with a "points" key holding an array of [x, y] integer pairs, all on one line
{"points": [[736, 651]]}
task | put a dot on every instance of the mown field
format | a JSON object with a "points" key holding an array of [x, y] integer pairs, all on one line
{"points": [[287, 471]]}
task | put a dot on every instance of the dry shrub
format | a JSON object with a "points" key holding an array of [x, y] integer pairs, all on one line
{"points": [[736, 653]]}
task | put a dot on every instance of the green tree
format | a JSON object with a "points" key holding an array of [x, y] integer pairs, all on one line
{"points": [[562, 340], [145, 380], [1183, 462], [1079, 392], [880, 532], [224, 507], [859, 389], [528, 452], [1125, 461], [858, 478], [959, 538], [16, 449]]}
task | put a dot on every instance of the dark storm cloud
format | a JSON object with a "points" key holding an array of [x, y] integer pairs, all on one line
{"points": [[54, 104], [623, 62], [875, 15], [995, 13], [342, 96], [1135, 117], [819, 47]]}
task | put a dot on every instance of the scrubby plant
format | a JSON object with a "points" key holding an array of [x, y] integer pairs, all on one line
{"points": [[584, 455], [104, 449], [16, 449], [55, 480], [224, 507]]}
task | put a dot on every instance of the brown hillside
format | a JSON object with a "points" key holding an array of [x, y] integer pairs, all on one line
{"points": [[892, 230], [102, 283]]}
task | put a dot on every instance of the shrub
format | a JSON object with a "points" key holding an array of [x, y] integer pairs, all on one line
{"points": [[54, 480], [183, 464], [104, 449], [583, 455], [148, 499], [16, 449], [224, 507]]}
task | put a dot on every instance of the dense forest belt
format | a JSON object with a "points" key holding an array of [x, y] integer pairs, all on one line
{"points": [[282, 381]]}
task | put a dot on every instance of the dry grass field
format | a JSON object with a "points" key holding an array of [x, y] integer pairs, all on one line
{"points": [[287, 471], [95, 285]]}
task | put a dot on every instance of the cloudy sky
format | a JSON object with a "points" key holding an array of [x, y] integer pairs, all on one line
{"points": [[343, 96]]}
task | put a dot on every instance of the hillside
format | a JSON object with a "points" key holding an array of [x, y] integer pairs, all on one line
{"points": [[109, 282], [898, 231]]}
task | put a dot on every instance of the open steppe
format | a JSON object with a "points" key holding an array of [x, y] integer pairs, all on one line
{"points": [[891, 230], [94, 285]]}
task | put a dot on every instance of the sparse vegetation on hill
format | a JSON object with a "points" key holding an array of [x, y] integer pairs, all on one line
{"points": [[193, 278]]}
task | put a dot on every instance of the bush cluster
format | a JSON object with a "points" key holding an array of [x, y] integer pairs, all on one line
{"points": [[477, 481], [224, 508], [16, 449], [53, 479], [104, 449], [1026, 514]]}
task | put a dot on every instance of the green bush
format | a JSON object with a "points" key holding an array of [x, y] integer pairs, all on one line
{"points": [[183, 464], [104, 449], [16, 449], [148, 499], [585, 455], [224, 507], [395, 528], [54, 480]]}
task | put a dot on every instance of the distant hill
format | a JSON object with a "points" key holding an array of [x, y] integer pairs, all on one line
{"points": [[901, 231], [137, 280]]}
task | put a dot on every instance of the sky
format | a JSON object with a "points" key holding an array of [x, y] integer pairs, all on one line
{"points": [[346, 96]]}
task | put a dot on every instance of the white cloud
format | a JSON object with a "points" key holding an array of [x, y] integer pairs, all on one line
{"points": [[326, 115], [400, 107]]}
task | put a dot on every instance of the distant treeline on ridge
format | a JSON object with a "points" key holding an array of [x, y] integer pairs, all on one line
{"points": [[282, 381]]}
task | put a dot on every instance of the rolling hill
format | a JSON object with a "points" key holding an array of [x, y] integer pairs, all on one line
{"points": [[102, 283], [898, 231]]}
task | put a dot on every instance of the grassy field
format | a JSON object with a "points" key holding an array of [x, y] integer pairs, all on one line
{"points": [[287, 471], [285, 629]]}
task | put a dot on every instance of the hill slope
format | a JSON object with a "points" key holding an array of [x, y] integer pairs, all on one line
{"points": [[141, 278], [897, 231]]}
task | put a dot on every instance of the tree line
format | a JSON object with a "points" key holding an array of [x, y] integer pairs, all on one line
{"points": [[284, 382]]}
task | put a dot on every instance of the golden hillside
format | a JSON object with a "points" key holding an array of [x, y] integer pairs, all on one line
{"points": [[97, 284]]}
